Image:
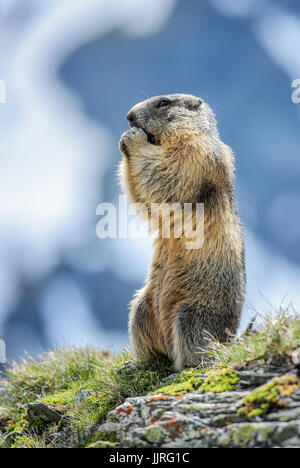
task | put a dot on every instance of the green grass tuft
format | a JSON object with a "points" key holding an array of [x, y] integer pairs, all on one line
{"points": [[278, 336]]}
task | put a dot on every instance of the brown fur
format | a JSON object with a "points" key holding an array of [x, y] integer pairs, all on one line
{"points": [[173, 154]]}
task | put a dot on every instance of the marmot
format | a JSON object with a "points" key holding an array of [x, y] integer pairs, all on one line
{"points": [[173, 154]]}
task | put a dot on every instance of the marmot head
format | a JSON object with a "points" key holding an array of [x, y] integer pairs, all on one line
{"points": [[172, 112]]}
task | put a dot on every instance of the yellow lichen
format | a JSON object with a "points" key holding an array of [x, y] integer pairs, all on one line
{"points": [[264, 398], [220, 381], [180, 389]]}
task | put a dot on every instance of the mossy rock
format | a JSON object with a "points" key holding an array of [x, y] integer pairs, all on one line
{"points": [[274, 393], [102, 440], [184, 382], [220, 381]]}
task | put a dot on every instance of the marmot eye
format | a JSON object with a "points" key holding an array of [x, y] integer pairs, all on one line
{"points": [[163, 103]]}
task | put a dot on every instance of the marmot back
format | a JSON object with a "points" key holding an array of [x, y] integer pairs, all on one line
{"points": [[173, 155]]}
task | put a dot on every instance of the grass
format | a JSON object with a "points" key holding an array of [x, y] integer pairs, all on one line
{"points": [[82, 383], [277, 337], [85, 384]]}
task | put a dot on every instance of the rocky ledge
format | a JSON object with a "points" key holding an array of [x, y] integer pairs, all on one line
{"points": [[258, 407], [247, 396]]}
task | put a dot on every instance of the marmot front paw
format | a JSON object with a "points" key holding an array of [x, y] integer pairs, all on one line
{"points": [[132, 140]]}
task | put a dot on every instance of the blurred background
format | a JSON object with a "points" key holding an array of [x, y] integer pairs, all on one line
{"points": [[72, 69]]}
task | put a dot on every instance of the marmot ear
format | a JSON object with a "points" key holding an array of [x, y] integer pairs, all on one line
{"points": [[193, 103]]}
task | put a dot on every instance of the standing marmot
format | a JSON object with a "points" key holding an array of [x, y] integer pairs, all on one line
{"points": [[173, 154]]}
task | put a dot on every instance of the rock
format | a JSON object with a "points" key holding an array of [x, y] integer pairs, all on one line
{"points": [[41, 412], [198, 419], [102, 444], [58, 439], [254, 378]]}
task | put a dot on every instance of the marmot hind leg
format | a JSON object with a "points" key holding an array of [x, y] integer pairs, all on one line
{"points": [[188, 338], [194, 327], [142, 328]]}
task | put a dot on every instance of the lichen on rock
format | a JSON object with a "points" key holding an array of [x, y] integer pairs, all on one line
{"points": [[220, 381], [249, 396], [274, 393], [210, 415]]}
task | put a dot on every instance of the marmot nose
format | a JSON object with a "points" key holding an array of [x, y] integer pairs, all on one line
{"points": [[131, 119]]}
